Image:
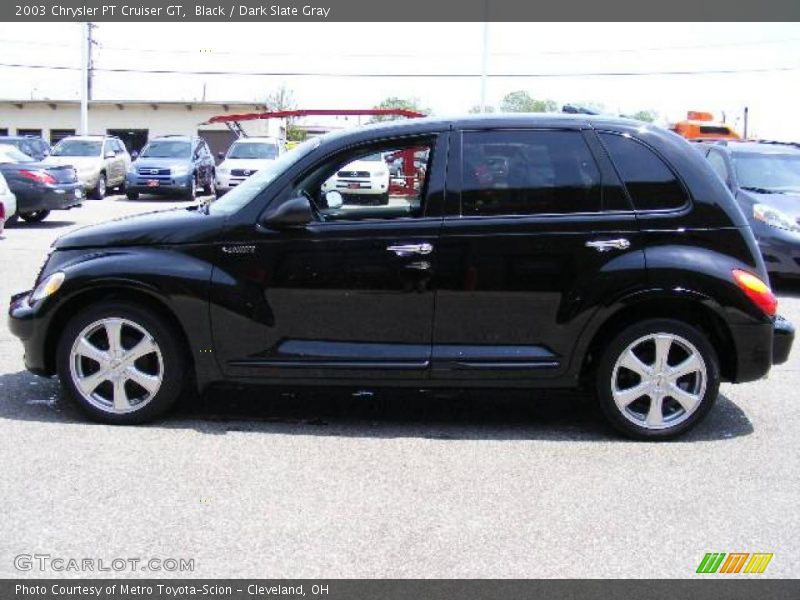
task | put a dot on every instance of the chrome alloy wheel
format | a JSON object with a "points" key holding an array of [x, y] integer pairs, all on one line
{"points": [[116, 365], [659, 380]]}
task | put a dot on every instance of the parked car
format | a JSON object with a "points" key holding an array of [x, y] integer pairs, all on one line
{"points": [[364, 181], [37, 186], [101, 161], [9, 202], [764, 177], [172, 164], [244, 158], [606, 257], [33, 146]]}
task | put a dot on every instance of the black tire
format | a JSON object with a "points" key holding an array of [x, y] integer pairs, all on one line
{"points": [[132, 195], [628, 422], [383, 200], [173, 366], [191, 193], [12, 220], [209, 189], [100, 188], [36, 216]]}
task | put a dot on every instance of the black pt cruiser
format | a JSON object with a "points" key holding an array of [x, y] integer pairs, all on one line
{"points": [[529, 252]]}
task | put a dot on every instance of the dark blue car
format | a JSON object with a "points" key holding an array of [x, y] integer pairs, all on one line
{"points": [[764, 177], [172, 165]]}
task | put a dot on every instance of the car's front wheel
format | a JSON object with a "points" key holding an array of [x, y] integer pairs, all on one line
{"points": [[121, 363], [34, 217], [100, 188], [657, 379]]}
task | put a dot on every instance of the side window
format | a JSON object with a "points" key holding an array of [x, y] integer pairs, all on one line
{"points": [[381, 181], [528, 173], [651, 184], [717, 162]]}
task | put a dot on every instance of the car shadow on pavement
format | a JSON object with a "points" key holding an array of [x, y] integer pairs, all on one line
{"points": [[484, 414], [46, 224]]}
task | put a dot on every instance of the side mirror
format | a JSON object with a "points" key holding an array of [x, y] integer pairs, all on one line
{"points": [[334, 199], [110, 154], [134, 155], [292, 214]]}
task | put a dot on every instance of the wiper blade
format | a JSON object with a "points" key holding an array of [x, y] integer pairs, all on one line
{"points": [[760, 190]]}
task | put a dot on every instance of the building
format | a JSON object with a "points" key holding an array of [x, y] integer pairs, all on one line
{"points": [[133, 121]]}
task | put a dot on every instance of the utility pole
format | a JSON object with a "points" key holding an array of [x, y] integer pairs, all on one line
{"points": [[485, 58], [86, 74]]}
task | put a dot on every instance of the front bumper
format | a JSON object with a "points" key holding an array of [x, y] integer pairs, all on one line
{"points": [[145, 184], [24, 323], [781, 252]]}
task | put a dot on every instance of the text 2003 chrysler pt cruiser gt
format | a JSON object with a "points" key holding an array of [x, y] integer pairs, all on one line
{"points": [[534, 252]]}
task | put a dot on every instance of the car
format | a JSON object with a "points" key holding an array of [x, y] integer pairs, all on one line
{"points": [[244, 158], [33, 146], [9, 203], [364, 181], [101, 161], [38, 187], [607, 257], [764, 178], [172, 164]]}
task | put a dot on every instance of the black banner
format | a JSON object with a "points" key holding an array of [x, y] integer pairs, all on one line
{"points": [[404, 11]]}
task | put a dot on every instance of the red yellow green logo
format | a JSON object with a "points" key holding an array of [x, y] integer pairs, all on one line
{"points": [[734, 562]]}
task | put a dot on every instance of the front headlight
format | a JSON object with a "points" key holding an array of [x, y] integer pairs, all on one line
{"points": [[179, 171], [774, 218], [48, 286]]}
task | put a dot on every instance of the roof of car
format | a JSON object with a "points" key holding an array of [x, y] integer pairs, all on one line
{"points": [[20, 137], [89, 137], [174, 137], [757, 146], [262, 139]]}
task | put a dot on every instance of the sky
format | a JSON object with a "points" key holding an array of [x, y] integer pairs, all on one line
{"points": [[734, 64]]}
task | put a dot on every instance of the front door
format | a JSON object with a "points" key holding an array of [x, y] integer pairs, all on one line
{"points": [[348, 296], [540, 230]]}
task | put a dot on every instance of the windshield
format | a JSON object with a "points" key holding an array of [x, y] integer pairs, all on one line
{"points": [[243, 193], [77, 148], [164, 149], [773, 172], [10, 154], [253, 150]]}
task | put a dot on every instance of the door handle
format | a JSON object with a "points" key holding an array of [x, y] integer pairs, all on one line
{"points": [[410, 249], [606, 245]]}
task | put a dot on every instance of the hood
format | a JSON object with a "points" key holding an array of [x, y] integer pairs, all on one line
{"points": [[168, 227], [79, 162], [373, 166], [253, 164], [154, 161], [788, 203]]}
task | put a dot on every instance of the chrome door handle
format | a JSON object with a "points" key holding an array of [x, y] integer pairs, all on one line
{"points": [[409, 249], [606, 245]]}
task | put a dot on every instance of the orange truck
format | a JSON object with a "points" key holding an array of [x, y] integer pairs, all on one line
{"points": [[701, 126]]}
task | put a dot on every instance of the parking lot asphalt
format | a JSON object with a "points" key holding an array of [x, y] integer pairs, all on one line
{"points": [[276, 483]]}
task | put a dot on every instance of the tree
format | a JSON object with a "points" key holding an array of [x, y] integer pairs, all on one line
{"points": [[395, 102], [648, 116], [521, 101], [280, 100]]}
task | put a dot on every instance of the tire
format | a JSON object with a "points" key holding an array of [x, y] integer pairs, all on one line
{"points": [[161, 366], [624, 385], [12, 220], [123, 187], [100, 188], [36, 216], [191, 193], [132, 195], [383, 200]]}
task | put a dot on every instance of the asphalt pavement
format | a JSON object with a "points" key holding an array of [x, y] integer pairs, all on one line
{"points": [[358, 483]]}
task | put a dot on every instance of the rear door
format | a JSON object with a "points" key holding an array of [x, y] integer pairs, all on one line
{"points": [[537, 230]]}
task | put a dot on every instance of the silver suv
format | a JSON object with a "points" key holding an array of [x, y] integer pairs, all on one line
{"points": [[100, 161]]}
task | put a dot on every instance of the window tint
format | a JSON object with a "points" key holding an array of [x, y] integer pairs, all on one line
{"points": [[528, 172], [650, 183], [717, 163]]}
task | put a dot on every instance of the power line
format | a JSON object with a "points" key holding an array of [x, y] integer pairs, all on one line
{"points": [[404, 75]]}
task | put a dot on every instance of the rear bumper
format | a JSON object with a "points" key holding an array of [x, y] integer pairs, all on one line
{"points": [[759, 346], [50, 198]]}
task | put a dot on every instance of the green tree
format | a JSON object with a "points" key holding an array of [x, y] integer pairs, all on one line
{"points": [[648, 116], [396, 102], [280, 100], [477, 109], [521, 101]]}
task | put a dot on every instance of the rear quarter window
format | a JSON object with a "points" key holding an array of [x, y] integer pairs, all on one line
{"points": [[651, 184]]}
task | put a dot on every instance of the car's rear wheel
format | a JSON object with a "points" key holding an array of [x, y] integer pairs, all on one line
{"points": [[12, 220], [657, 379], [383, 200], [35, 216], [132, 195], [121, 363], [100, 188]]}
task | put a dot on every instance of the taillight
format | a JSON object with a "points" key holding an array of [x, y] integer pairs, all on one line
{"points": [[39, 176], [757, 291], [2, 212]]}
